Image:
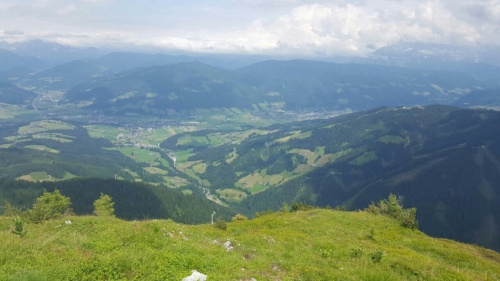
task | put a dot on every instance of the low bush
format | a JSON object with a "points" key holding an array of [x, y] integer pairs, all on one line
{"points": [[48, 206], [239, 217], [393, 207], [377, 256], [18, 226], [220, 224], [356, 252], [299, 206]]}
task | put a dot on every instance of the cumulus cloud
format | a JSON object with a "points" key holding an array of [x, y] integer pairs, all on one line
{"points": [[305, 27], [356, 29]]}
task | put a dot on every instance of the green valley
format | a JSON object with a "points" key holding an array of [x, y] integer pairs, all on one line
{"points": [[349, 160]]}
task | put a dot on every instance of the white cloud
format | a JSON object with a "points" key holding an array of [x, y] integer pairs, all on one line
{"points": [[273, 26], [13, 32]]}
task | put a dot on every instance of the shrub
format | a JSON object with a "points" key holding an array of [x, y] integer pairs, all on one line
{"points": [[326, 253], [371, 235], [408, 218], [342, 208], [220, 224], [285, 208], [18, 226], [377, 256], [393, 207], [263, 213], [48, 206], [299, 206], [356, 252], [373, 209], [104, 206], [239, 217]]}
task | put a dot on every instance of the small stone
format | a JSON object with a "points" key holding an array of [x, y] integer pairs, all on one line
{"points": [[228, 246], [195, 276]]}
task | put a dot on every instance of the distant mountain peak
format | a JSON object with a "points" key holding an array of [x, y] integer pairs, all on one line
{"points": [[51, 52]]}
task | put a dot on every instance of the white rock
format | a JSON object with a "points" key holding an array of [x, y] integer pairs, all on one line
{"points": [[195, 276], [228, 246]]}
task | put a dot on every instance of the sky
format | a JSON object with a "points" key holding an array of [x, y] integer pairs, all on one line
{"points": [[296, 27]]}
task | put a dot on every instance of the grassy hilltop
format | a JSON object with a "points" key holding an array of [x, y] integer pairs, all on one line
{"points": [[317, 244]]}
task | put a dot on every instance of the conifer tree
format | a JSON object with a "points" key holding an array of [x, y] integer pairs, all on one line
{"points": [[104, 206]]}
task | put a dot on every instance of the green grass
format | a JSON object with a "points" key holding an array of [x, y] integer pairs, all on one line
{"points": [[364, 158], [44, 126], [18, 138], [155, 171], [312, 245], [54, 136], [193, 141], [142, 155], [231, 195], [183, 155], [44, 176], [199, 168], [37, 176], [175, 182], [42, 148], [103, 131], [258, 188], [391, 139], [8, 111]]}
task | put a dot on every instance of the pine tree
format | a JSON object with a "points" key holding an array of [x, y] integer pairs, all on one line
{"points": [[104, 206]]}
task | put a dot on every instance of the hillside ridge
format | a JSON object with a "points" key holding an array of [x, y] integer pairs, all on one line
{"points": [[317, 244]]}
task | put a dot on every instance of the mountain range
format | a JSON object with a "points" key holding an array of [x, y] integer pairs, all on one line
{"points": [[269, 86], [403, 74]]}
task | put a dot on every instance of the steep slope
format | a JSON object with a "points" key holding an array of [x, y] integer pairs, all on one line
{"points": [[11, 94], [312, 245]]}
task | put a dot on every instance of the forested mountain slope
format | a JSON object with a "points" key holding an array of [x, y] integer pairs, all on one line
{"points": [[133, 201], [443, 160], [270, 86]]}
